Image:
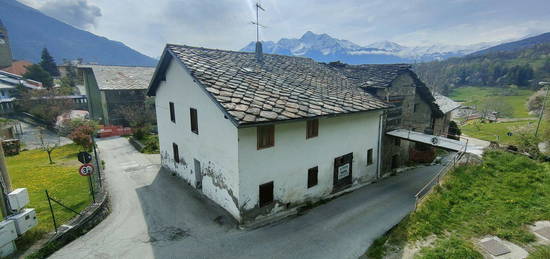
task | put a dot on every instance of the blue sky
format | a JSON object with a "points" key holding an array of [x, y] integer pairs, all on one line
{"points": [[147, 25]]}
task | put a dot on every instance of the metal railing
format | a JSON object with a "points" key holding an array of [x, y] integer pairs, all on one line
{"points": [[436, 180]]}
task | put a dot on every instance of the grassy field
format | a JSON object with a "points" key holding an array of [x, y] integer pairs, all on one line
{"points": [[499, 197], [490, 131], [31, 169], [472, 95]]}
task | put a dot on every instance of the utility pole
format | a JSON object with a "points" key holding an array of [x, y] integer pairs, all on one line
{"points": [[543, 105]]}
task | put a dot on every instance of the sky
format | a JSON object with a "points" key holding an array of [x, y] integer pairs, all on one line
{"points": [[147, 25]]}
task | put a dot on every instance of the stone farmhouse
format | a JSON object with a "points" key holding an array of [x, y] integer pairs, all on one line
{"points": [[262, 134], [111, 87]]}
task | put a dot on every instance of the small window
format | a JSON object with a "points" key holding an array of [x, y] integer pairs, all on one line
{"points": [[176, 152], [266, 194], [266, 136], [397, 141], [312, 128], [415, 107], [369, 157], [312, 174], [172, 112], [194, 121]]}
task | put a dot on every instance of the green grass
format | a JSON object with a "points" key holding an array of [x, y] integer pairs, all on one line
{"points": [[490, 131], [540, 252], [450, 248], [472, 95], [31, 170], [499, 197]]}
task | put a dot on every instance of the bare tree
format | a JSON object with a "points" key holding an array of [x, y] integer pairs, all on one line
{"points": [[494, 106], [47, 146]]}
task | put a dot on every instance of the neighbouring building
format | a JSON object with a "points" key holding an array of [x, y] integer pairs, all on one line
{"points": [[111, 87], [8, 89]]}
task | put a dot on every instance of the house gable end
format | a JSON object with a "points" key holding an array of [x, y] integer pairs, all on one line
{"points": [[160, 74]]}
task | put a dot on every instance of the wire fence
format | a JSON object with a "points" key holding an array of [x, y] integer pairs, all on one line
{"points": [[62, 212]]}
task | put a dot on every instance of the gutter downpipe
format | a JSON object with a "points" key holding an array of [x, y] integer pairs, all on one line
{"points": [[380, 132]]}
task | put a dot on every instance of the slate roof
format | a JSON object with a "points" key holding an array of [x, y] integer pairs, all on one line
{"points": [[279, 88], [370, 75], [445, 103], [121, 77]]}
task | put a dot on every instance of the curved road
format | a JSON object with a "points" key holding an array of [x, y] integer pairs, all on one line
{"points": [[156, 215]]}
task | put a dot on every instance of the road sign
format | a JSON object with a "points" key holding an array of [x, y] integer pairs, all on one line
{"points": [[84, 157], [86, 169]]}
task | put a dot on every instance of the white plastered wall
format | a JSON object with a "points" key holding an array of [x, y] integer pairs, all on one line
{"points": [[215, 146]]}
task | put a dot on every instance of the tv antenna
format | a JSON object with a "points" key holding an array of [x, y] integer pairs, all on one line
{"points": [[257, 22]]}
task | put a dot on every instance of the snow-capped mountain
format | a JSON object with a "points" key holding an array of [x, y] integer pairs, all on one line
{"points": [[324, 48]]}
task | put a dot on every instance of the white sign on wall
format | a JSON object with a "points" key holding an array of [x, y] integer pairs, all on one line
{"points": [[343, 171]]}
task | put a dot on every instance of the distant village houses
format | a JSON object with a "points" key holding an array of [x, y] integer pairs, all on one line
{"points": [[260, 134], [111, 87]]}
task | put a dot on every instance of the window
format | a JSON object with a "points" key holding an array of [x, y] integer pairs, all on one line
{"points": [[312, 128], [172, 112], [312, 176], [369, 157], [266, 194], [415, 106], [176, 152], [266, 136], [194, 122], [397, 141]]}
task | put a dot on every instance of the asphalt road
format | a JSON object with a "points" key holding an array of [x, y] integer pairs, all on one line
{"points": [[156, 215]]}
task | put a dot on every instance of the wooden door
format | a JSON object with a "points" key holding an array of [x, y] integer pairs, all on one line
{"points": [[343, 172]]}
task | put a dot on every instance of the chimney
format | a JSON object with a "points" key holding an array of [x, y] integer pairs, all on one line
{"points": [[259, 52]]}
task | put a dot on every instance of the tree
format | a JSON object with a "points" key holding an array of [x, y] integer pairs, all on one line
{"points": [[44, 104], [82, 136], [37, 73], [48, 63], [454, 130], [69, 126], [493, 106], [46, 145], [140, 117]]}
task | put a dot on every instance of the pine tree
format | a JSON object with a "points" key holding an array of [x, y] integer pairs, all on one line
{"points": [[48, 63], [37, 73]]}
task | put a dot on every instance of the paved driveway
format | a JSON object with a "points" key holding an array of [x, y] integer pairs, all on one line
{"points": [[156, 215]]}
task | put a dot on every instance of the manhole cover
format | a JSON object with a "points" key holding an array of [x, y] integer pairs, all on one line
{"points": [[545, 232], [494, 247]]}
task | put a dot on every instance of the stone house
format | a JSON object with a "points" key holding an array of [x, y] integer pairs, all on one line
{"points": [[259, 134], [109, 88]]}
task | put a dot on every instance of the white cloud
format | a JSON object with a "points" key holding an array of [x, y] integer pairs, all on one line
{"points": [[148, 25]]}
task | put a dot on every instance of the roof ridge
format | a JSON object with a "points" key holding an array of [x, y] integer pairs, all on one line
{"points": [[238, 51]]}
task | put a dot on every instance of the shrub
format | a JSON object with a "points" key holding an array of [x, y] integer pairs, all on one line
{"points": [[82, 136]]}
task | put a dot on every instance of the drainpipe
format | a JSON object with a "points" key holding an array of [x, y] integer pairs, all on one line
{"points": [[380, 132]]}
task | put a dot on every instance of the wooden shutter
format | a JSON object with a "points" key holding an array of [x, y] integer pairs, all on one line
{"points": [[194, 121], [176, 152], [369, 157], [312, 176], [312, 129], [266, 136], [172, 112]]}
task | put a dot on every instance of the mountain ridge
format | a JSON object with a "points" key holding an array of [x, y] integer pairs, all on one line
{"points": [[325, 48], [29, 31]]}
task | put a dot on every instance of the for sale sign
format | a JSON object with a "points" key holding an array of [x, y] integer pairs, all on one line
{"points": [[86, 169]]}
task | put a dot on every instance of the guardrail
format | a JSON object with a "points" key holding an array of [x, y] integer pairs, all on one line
{"points": [[436, 180]]}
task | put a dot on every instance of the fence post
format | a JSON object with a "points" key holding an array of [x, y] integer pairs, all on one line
{"points": [[51, 210], [97, 161], [91, 187]]}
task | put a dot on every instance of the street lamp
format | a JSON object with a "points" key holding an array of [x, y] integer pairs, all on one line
{"points": [[543, 105]]}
